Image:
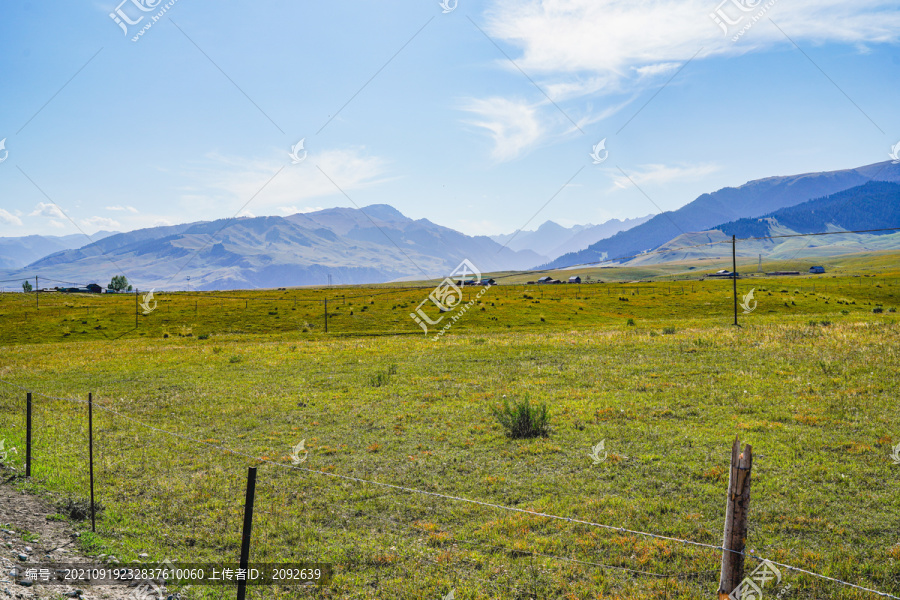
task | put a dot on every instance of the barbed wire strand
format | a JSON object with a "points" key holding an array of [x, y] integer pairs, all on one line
{"points": [[460, 499]]}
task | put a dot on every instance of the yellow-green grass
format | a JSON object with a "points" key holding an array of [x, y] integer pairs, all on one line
{"points": [[818, 403], [53, 317]]}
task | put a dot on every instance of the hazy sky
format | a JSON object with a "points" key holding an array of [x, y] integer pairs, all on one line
{"points": [[481, 118]]}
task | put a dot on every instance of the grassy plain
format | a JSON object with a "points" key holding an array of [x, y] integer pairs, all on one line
{"points": [[810, 380]]}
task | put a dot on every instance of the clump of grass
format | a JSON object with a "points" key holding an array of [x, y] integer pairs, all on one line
{"points": [[383, 378], [203, 336], [877, 310], [235, 359], [668, 331], [79, 509], [630, 322], [521, 419]]}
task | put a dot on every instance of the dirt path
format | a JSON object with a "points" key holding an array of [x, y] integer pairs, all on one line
{"points": [[24, 517]]}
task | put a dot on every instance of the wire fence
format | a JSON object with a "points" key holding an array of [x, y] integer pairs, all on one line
{"points": [[189, 484]]}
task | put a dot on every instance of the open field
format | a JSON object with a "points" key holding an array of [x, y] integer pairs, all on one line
{"points": [[810, 380], [851, 289]]}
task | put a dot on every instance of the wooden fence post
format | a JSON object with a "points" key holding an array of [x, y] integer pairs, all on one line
{"points": [[738, 503]]}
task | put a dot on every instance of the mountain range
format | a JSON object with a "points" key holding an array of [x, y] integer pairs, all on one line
{"points": [[552, 240], [869, 207], [379, 244], [751, 200], [341, 245], [17, 252]]}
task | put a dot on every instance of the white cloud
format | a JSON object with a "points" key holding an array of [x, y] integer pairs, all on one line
{"points": [[101, 222], [513, 126], [47, 210], [7, 218], [121, 208], [610, 38], [656, 174], [229, 182]]}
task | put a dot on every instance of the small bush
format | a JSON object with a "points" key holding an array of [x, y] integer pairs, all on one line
{"points": [[877, 310], [203, 336], [892, 310], [216, 350], [235, 359], [630, 322], [668, 330], [845, 312], [522, 420], [79, 509]]}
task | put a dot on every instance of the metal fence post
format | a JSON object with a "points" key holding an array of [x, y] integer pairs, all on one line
{"points": [[28, 436], [248, 525], [91, 456]]}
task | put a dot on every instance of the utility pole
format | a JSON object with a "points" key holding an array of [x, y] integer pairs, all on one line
{"points": [[37, 302], [135, 308], [734, 275]]}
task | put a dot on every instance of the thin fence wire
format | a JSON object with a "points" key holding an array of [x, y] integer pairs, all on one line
{"points": [[570, 520]]}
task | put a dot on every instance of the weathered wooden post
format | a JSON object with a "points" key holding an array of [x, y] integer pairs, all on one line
{"points": [[737, 506]]}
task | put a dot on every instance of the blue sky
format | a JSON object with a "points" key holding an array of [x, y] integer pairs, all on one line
{"points": [[481, 118]]}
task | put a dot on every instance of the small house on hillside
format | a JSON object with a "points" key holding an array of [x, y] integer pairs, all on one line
{"points": [[545, 279], [724, 273], [817, 270], [575, 279], [94, 288]]}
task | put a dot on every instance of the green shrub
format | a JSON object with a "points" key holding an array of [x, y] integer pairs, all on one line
{"points": [[79, 509], [877, 310], [203, 336], [668, 330], [235, 359], [630, 322], [382, 378], [522, 420]]}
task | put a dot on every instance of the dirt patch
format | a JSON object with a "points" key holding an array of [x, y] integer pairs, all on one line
{"points": [[28, 537]]}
